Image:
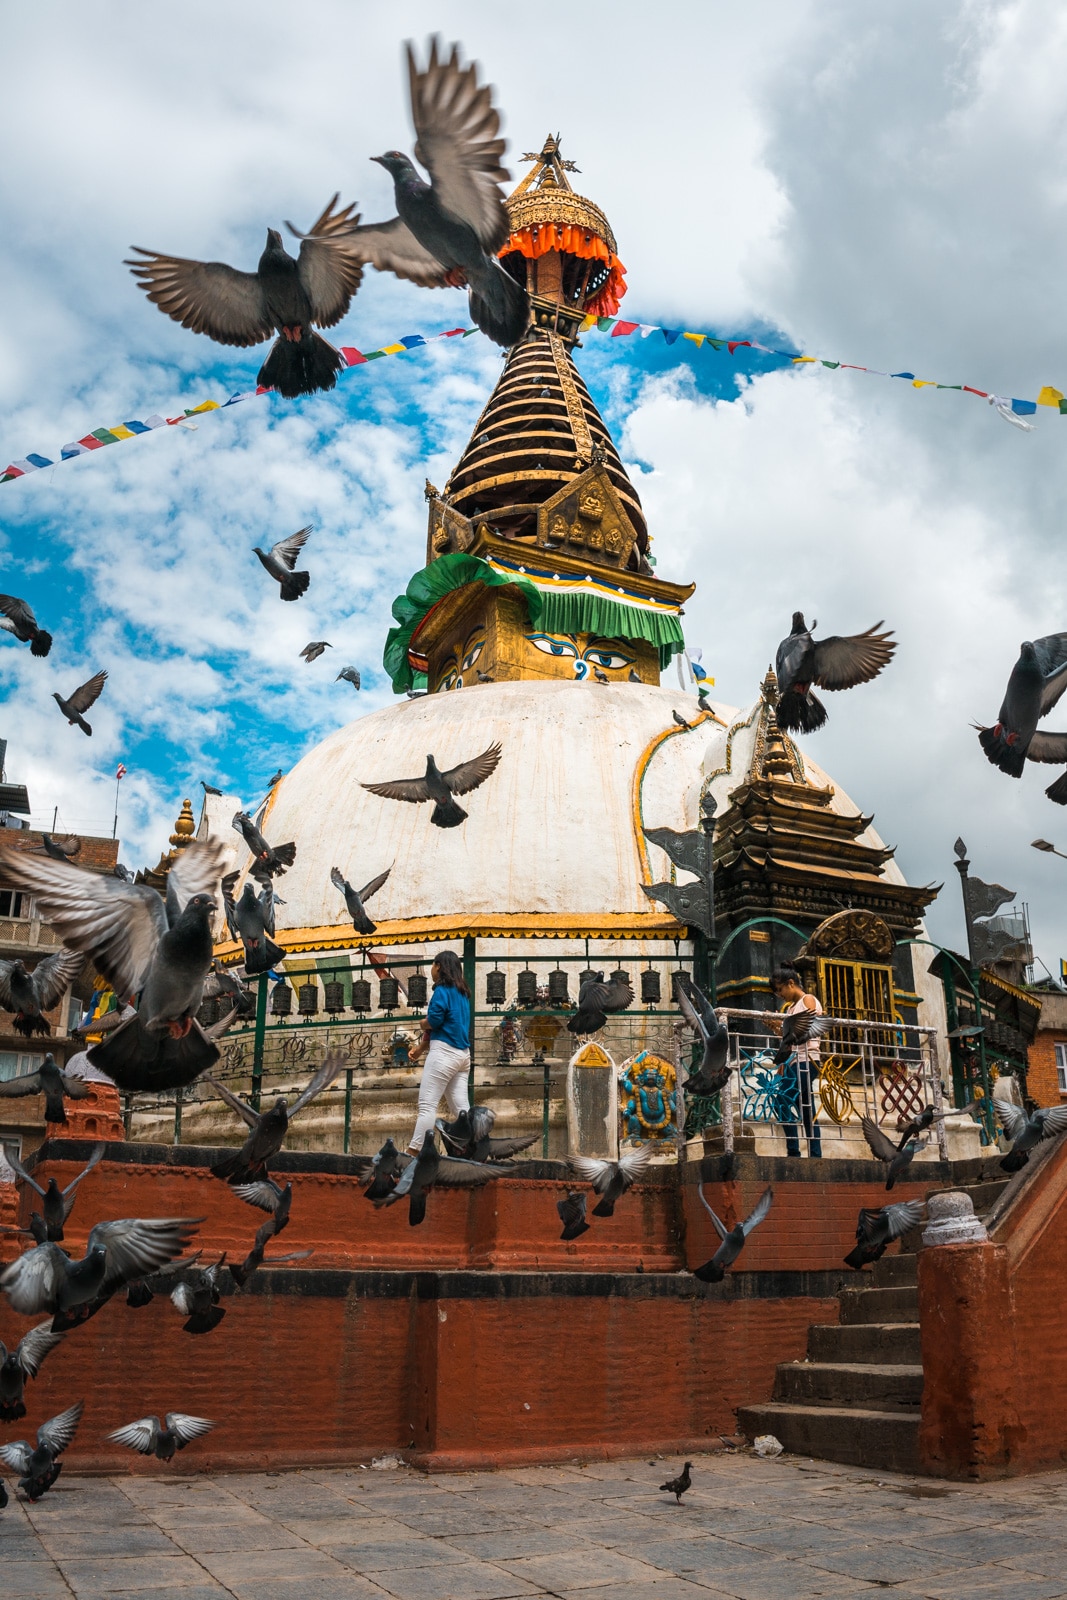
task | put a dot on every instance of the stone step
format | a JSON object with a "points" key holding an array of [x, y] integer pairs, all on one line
{"points": [[891, 1271], [871, 1386], [879, 1342], [984, 1196], [888, 1440], [896, 1304]]}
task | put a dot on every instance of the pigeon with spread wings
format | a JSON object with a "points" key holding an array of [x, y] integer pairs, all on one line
{"points": [[431, 1170], [448, 231], [877, 1229], [280, 562], [23, 624], [21, 1363], [251, 919], [39, 1466], [840, 662], [1035, 684], [596, 1001], [268, 860], [47, 1279], [611, 1179], [28, 994], [897, 1159], [86, 695], [58, 1203], [1028, 1131], [710, 1029], [56, 1086], [733, 1239], [144, 946], [283, 295], [354, 898], [151, 1437], [268, 1128], [440, 786], [799, 1027]]}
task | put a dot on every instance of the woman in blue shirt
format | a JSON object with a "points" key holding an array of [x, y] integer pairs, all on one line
{"points": [[447, 1033]]}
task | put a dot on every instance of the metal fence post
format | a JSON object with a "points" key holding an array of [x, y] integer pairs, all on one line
{"points": [[257, 1043], [178, 1116], [469, 974], [348, 1107]]}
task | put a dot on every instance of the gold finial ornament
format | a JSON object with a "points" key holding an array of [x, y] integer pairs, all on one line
{"points": [[184, 828]]}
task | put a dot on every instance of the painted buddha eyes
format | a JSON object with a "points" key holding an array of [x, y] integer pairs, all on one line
{"points": [[608, 658], [552, 646], [567, 647], [453, 677]]}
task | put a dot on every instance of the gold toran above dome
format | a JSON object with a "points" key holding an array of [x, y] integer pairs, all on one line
{"points": [[545, 195]]}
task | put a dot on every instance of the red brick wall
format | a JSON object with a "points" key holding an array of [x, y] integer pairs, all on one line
{"points": [[1041, 1075]]}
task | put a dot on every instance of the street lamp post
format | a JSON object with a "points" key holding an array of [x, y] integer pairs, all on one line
{"points": [[1049, 849]]}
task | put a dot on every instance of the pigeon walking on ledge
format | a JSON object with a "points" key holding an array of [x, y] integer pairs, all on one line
{"points": [[448, 231], [840, 662]]}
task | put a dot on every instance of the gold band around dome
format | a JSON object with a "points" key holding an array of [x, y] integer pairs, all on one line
{"points": [[551, 204]]}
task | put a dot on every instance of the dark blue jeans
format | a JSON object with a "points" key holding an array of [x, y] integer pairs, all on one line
{"points": [[802, 1075]]}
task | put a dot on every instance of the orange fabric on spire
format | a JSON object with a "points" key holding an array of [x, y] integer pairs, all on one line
{"points": [[538, 241]]}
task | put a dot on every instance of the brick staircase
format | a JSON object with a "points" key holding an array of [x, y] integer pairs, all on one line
{"points": [[857, 1396]]}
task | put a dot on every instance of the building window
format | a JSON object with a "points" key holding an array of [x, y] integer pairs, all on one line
{"points": [[10, 903], [1061, 1067], [16, 1065]]}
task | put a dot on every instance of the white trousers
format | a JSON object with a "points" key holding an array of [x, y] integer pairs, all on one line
{"points": [[444, 1076]]}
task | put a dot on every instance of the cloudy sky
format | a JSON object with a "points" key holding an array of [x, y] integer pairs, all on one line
{"points": [[877, 185]]}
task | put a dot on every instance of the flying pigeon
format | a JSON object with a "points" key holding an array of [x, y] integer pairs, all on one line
{"points": [[283, 295], [251, 919], [839, 662], [928, 1116], [268, 1128], [152, 1438], [440, 786], [60, 849], [714, 1070], [21, 1363], [431, 1170], [209, 788], [354, 898], [255, 1257], [876, 1230], [39, 1467], [595, 1000], [197, 1298], [269, 859], [23, 624], [385, 1168], [678, 1486], [82, 698], [1026, 1131], [883, 1149], [469, 1136], [611, 1179], [571, 1211], [799, 1028], [52, 1083], [349, 675], [141, 1292], [280, 562], [268, 1196], [311, 652], [47, 1279], [159, 951], [448, 231], [28, 994], [58, 1203], [733, 1239], [1036, 682]]}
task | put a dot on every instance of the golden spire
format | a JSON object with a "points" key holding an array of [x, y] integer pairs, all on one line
{"points": [[184, 828]]}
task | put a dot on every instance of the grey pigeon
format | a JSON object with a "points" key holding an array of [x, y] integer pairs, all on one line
{"points": [[60, 849], [483, 677], [839, 662], [710, 1029], [38, 1466], [678, 1486], [469, 1136], [21, 621], [611, 1179], [83, 697], [928, 1116], [269, 860], [58, 1203], [266, 1195], [799, 1028], [680, 721], [385, 1169], [268, 1128], [876, 1230], [159, 951], [21, 1363], [601, 677], [571, 1211], [431, 1170], [440, 786], [280, 562], [277, 778], [123, 874], [1036, 682], [28, 994], [349, 675], [152, 1438], [733, 1239], [197, 1297], [883, 1149], [448, 231], [634, 677], [354, 898], [1027, 1130], [311, 652], [596, 999], [251, 919], [256, 1259], [52, 1083], [209, 788], [47, 1279], [142, 1291], [283, 295]]}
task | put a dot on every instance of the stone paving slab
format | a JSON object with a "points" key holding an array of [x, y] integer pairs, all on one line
{"points": [[786, 1529]]}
